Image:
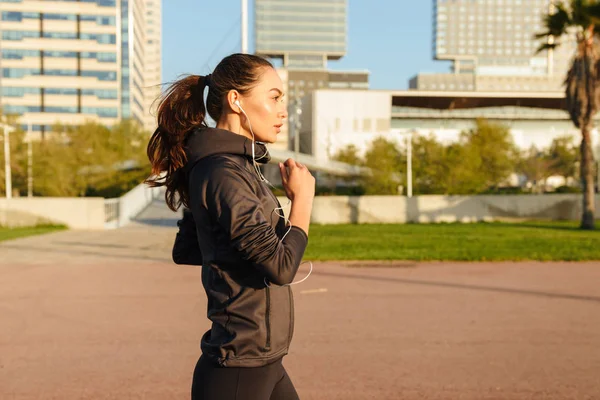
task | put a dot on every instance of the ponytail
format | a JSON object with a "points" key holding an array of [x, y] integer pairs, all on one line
{"points": [[181, 109]]}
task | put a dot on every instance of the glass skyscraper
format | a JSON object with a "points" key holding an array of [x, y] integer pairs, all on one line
{"points": [[70, 61], [492, 47], [304, 33]]}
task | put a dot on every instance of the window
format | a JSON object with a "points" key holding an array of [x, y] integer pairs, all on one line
{"points": [[14, 16], [19, 35], [19, 91], [61, 109], [60, 72], [60, 91], [19, 72], [14, 54], [60, 35], [383, 124], [12, 109], [103, 112], [103, 38], [367, 125], [62, 17], [101, 75]]}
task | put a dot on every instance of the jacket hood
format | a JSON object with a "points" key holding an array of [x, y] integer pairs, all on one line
{"points": [[206, 142]]}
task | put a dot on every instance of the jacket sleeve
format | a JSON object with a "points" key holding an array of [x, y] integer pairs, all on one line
{"points": [[239, 212], [186, 249]]}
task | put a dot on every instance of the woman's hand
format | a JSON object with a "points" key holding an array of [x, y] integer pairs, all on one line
{"points": [[298, 182]]}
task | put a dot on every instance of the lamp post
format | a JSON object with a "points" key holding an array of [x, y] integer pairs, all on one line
{"points": [[408, 136], [409, 191], [29, 161], [245, 26], [297, 126], [7, 129]]}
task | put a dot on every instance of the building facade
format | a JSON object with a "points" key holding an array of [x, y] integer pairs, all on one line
{"points": [[303, 33], [492, 47], [334, 119], [299, 83], [85, 60]]}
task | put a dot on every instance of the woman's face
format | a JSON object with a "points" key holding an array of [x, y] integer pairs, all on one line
{"points": [[264, 107]]}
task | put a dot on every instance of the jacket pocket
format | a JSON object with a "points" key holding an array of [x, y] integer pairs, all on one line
{"points": [[268, 318], [291, 334], [280, 318]]}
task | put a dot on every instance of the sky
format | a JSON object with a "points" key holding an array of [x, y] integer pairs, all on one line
{"points": [[390, 38]]}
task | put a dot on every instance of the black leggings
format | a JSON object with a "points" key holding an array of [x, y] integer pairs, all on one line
{"points": [[270, 382]]}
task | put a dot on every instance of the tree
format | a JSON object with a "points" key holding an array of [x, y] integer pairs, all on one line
{"points": [[483, 158], [91, 159], [464, 175], [493, 144], [386, 163], [429, 164], [55, 169], [582, 81], [129, 165], [348, 155], [563, 156], [535, 165]]}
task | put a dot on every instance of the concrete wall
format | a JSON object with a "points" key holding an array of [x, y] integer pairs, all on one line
{"points": [[425, 209], [487, 208], [76, 213], [89, 213]]}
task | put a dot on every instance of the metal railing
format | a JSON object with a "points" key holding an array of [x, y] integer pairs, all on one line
{"points": [[111, 212], [118, 212], [508, 113]]}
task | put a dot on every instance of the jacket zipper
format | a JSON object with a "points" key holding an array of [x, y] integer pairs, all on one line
{"points": [[268, 319]]}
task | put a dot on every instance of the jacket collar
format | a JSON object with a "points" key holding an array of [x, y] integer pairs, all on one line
{"points": [[205, 142]]}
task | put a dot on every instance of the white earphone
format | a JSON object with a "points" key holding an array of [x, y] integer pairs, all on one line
{"points": [[263, 179]]}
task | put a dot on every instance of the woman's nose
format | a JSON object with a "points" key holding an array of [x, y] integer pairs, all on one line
{"points": [[283, 113]]}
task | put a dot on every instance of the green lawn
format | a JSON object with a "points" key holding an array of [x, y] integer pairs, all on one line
{"points": [[14, 233], [544, 241]]}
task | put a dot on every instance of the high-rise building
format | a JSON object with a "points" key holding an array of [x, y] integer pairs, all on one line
{"points": [[153, 61], [492, 47], [304, 33], [72, 61]]}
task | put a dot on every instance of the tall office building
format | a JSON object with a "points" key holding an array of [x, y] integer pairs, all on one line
{"points": [[72, 61], [304, 33], [492, 47], [152, 50]]}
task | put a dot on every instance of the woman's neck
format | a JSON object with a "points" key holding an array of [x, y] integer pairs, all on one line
{"points": [[232, 123]]}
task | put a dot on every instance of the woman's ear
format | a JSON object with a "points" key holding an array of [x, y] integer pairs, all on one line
{"points": [[233, 99]]}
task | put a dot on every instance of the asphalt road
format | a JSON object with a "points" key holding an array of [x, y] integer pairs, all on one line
{"points": [[106, 315]]}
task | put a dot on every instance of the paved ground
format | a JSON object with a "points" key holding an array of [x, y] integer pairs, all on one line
{"points": [[105, 315]]}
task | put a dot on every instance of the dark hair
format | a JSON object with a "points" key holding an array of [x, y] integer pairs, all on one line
{"points": [[181, 109]]}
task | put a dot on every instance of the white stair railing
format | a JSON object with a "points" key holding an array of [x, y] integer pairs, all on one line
{"points": [[118, 212]]}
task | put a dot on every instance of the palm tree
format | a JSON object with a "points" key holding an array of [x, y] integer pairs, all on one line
{"points": [[579, 20]]}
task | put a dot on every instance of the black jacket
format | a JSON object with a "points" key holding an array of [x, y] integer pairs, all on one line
{"points": [[239, 235], [186, 249]]}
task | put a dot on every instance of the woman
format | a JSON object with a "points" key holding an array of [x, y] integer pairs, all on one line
{"points": [[250, 254]]}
